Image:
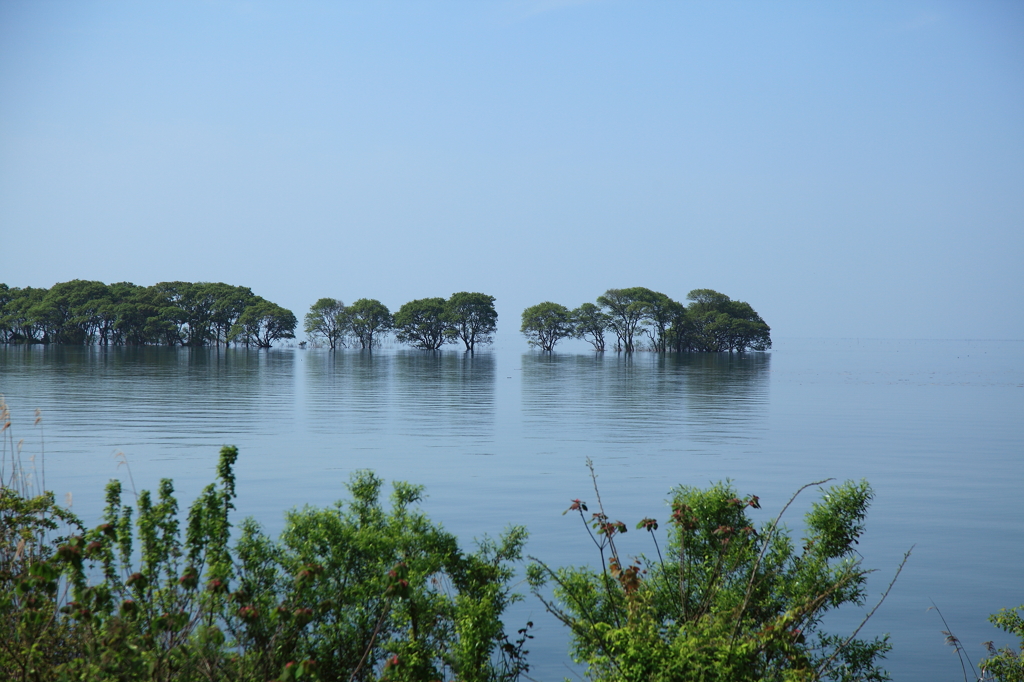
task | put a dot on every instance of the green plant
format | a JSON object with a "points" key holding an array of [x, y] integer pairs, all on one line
{"points": [[354, 592], [36, 536], [1006, 665], [726, 601], [370, 592]]}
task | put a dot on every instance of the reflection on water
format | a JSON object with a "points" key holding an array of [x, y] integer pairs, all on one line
{"points": [[645, 398], [411, 394], [167, 396]]}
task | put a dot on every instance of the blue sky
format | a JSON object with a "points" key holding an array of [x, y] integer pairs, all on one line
{"points": [[850, 169]]}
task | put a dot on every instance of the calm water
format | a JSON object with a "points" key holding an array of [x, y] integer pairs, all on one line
{"points": [[501, 438]]}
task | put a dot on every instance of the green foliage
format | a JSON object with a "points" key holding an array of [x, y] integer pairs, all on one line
{"points": [[383, 592], [32, 553], [726, 601], [1006, 664], [356, 591], [472, 318], [714, 323], [422, 324], [327, 319], [262, 323], [711, 323], [171, 313], [590, 324], [368, 321], [626, 310], [545, 323]]}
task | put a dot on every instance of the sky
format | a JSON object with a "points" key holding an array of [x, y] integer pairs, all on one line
{"points": [[852, 170]]}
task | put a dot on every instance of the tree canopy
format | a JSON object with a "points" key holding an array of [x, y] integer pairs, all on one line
{"points": [[422, 324], [626, 309], [472, 317], [169, 313], [590, 324], [263, 323], [712, 322], [369, 320], [545, 323], [327, 319]]}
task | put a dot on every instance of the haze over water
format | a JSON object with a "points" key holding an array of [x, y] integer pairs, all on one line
{"points": [[501, 437]]}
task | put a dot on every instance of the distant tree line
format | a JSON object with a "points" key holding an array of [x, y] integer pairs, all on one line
{"points": [[124, 314], [213, 313], [427, 323], [641, 319]]}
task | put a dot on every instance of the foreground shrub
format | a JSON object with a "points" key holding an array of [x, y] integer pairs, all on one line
{"points": [[726, 601], [354, 592], [366, 591]]}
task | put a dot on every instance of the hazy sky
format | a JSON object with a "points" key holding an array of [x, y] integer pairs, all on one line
{"points": [[850, 169]]}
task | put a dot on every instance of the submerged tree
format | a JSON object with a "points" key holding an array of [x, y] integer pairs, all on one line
{"points": [[590, 324], [422, 324], [86, 312], [328, 319], [715, 323], [546, 323], [626, 310], [472, 317], [262, 323], [369, 320]]}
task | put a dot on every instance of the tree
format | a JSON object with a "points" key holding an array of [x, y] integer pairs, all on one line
{"points": [[19, 318], [715, 323], [472, 317], [262, 323], [189, 316], [69, 312], [140, 315], [545, 323], [659, 313], [627, 309], [589, 324], [229, 302], [327, 319], [422, 324], [369, 319], [5, 298]]}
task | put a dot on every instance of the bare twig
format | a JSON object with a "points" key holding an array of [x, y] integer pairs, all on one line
{"points": [[373, 637], [760, 557], [824, 666]]}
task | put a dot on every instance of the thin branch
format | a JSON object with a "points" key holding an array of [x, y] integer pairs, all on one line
{"points": [[824, 666], [760, 556], [954, 641], [572, 623], [373, 637], [600, 505]]}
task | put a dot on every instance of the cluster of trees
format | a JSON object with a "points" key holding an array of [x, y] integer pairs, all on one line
{"points": [[426, 323], [126, 314], [640, 318], [205, 313]]}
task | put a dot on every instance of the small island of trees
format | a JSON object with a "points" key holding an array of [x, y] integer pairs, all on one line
{"points": [[641, 319], [426, 323], [84, 312]]}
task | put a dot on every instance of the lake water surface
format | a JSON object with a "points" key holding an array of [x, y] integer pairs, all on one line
{"points": [[501, 437]]}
